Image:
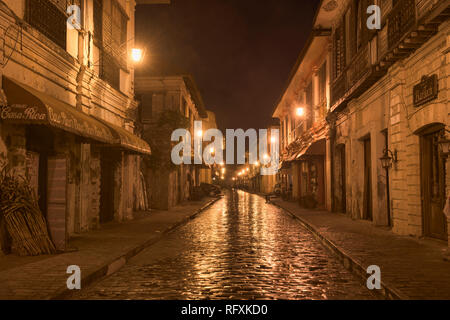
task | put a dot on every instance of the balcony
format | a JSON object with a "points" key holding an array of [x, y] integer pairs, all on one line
{"points": [[356, 78], [401, 21], [409, 25]]}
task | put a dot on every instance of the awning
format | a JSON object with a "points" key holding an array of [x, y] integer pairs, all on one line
{"points": [[314, 148], [27, 105], [126, 139]]}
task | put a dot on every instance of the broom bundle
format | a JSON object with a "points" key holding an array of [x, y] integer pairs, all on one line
{"points": [[24, 220]]}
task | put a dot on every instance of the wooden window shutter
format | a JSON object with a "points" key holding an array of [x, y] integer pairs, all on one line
{"points": [[341, 45], [353, 28], [49, 18], [98, 23], [322, 82], [309, 105], [107, 26], [335, 54], [147, 108], [365, 32], [339, 49]]}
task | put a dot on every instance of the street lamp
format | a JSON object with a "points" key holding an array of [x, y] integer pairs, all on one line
{"points": [[137, 55], [300, 111], [388, 158]]}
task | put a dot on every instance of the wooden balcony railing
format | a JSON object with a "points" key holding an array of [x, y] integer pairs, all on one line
{"points": [[401, 21], [353, 77], [360, 66], [338, 88], [410, 23]]}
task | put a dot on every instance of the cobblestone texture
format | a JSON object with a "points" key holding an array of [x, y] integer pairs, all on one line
{"points": [[414, 267], [44, 276], [240, 248]]}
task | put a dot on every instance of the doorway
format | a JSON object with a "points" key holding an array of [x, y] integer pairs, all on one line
{"points": [[367, 213], [341, 192], [107, 190], [433, 185], [57, 200]]}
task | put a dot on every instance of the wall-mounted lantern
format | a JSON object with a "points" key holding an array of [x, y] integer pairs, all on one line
{"points": [[388, 158], [444, 144]]}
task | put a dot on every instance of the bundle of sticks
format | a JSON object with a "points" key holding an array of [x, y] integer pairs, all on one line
{"points": [[25, 223]]}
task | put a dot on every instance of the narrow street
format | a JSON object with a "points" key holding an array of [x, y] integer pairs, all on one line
{"points": [[240, 248]]}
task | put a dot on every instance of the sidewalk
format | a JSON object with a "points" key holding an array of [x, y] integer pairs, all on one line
{"points": [[411, 268], [100, 252]]}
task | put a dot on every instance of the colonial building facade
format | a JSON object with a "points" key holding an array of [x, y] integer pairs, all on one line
{"points": [[169, 103], [302, 110], [68, 109], [387, 114]]}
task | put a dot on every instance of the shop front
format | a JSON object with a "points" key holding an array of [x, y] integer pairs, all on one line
{"points": [[311, 176], [66, 155]]}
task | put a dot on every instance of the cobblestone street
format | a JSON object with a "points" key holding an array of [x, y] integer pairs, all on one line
{"points": [[240, 248]]}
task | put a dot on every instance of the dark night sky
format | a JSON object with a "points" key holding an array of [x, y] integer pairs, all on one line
{"points": [[240, 52]]}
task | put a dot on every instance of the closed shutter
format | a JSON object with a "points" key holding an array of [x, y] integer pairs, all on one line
{"points": [[322, 82], [114, 39], [309, 104], [56, 200], [98, 23], [339, 49], [49, 18], [146, 108], [353, 27]]}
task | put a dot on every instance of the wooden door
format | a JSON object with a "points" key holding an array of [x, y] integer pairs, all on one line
{"points": [[343, 186], [107, 190], [433, 187], [56, 200], [340, 180], [367, 214]]}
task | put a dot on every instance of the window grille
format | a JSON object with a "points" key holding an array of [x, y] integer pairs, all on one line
{"points": [[48, 17], [110, 35]]}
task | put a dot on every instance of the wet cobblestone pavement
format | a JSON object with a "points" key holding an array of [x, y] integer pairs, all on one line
{"points": [[240, 248]]}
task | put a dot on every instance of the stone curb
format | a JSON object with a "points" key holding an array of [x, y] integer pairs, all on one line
{"points": [[117, 263], [349, 262]]}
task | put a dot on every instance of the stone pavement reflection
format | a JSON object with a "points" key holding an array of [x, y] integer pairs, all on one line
{"points": [[240, 248]]}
